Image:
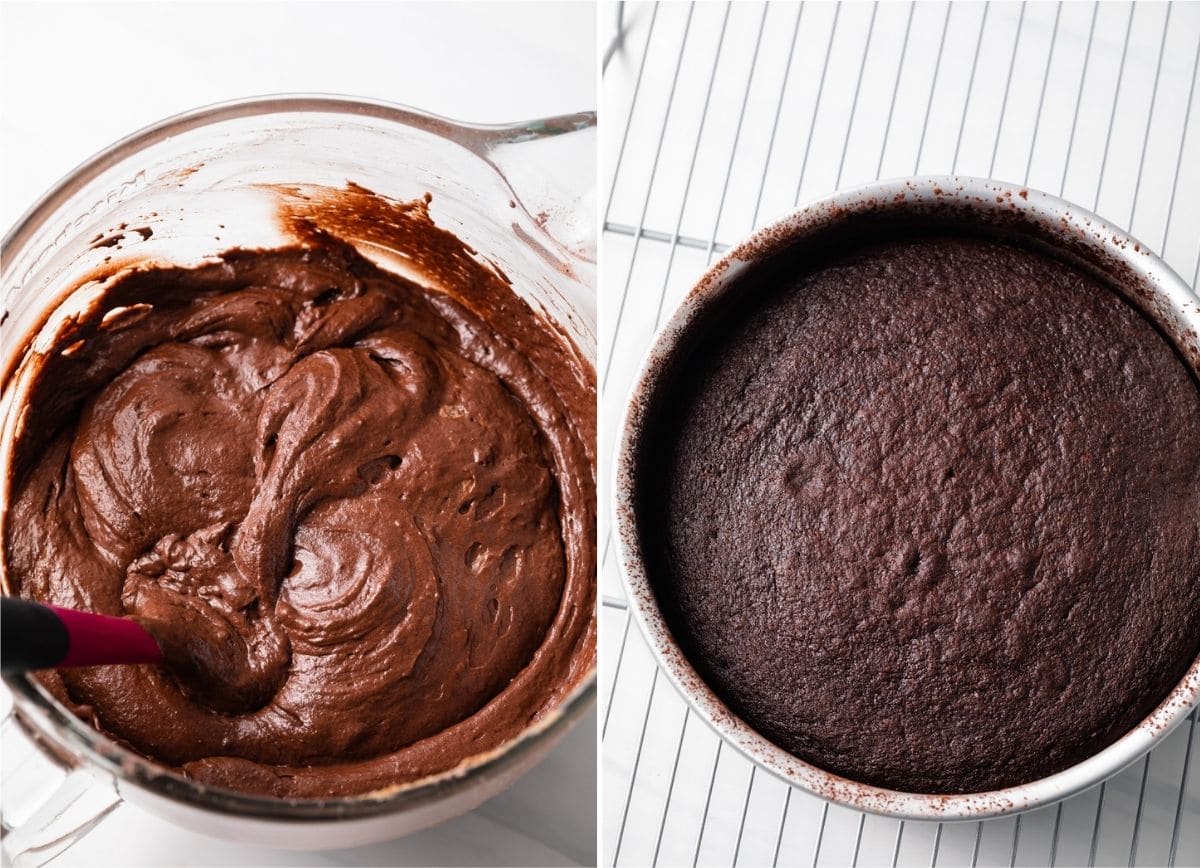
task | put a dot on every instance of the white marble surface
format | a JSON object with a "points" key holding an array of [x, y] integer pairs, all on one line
{"points": [[75, 77]]}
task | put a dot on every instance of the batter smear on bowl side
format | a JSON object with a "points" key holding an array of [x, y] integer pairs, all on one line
{"points": [[377, 495], [925, 511]]}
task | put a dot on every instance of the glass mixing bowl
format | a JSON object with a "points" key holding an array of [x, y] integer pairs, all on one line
{"points": [[203, 182]]}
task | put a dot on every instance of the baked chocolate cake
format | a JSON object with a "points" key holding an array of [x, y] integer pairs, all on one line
{"points": [[926, 513]]}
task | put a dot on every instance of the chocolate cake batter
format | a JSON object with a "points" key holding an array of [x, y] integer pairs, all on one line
{"points": [[927, 514], [359, 511]]}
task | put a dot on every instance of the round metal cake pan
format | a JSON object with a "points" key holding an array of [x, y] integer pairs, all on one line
{"points": [[1065, 229]]}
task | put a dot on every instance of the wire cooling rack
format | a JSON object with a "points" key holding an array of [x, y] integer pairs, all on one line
{"points": [[721, 118]]}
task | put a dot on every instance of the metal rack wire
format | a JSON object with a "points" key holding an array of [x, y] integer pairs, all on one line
{"points": [[723, 117]]}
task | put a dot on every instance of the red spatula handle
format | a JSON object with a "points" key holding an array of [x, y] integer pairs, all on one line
{"points": [[42, 637]]}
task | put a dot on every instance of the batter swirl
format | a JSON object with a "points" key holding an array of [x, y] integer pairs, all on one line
{"points": [[366, 504]]}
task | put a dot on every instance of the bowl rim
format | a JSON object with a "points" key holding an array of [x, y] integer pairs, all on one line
{"points": [[987, 201], [477, 138], [60, 732]]}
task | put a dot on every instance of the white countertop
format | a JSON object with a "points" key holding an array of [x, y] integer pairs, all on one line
{"points": [[74, 77]]}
